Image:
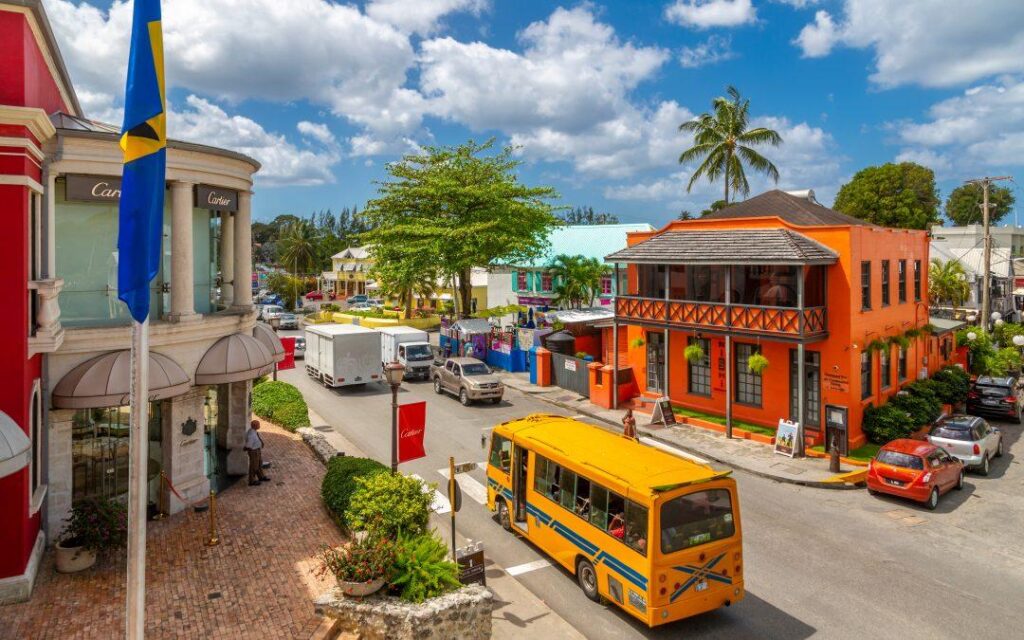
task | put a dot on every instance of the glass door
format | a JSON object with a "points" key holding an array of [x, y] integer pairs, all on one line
{"points": [[655, 362], [812, 389]]}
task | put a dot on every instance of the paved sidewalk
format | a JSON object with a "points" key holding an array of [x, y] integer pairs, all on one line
{"points": [[710, 446], [517, 611], [256, 584]]}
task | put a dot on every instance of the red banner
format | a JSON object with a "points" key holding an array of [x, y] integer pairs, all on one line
{"points": [[289, 353], [412, 423]]}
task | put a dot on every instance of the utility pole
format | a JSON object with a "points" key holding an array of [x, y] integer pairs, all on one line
{"points": [[986, 277]]}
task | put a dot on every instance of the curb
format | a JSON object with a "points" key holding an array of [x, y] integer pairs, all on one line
{"points": [[815, 484]]}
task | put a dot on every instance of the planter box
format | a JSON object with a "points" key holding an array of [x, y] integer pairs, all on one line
{"points": [[720, 428], [463, 614]]}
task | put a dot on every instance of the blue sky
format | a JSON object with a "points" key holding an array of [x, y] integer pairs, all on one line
{"points": [[325, 94]]}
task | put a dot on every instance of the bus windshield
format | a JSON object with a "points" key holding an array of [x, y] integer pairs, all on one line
{"points": [[696, 518]]}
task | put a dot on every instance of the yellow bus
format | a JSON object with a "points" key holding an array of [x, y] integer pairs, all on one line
{"points": [[654, 533]]}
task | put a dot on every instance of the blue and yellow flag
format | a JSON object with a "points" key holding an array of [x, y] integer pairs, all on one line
{"points": [[144, 142]]}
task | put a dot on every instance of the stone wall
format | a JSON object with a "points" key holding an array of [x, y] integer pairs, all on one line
{"points": [[464, 614]]}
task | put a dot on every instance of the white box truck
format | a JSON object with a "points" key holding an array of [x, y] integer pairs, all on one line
{"points": [[409, 346], [339, 355]]}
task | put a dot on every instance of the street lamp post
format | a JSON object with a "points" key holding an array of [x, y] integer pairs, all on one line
{"points": [[394, 371]]}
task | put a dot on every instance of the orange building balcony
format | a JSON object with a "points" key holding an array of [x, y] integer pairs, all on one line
{"points": [[810, 322]]}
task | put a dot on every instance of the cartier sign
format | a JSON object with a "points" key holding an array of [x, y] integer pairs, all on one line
{"points": [[93, 188], [216, 198]]}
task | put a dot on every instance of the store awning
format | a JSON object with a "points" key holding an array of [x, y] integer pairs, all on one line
{"points": [[104, 381], [234, 358], [727, 247], [15, 447], [945, 325], [266, 336]]}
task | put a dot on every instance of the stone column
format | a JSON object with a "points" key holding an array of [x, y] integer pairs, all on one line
{"points": [[242, 289], [59, 477], [182, 277], [231, 434], [51, 224], [227, 257], [183, 455]]}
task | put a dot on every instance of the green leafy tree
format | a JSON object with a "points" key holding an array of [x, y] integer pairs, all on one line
{"points": [[586, 215], [964, 204], [289, 287], [724, 144], [453, 208], [403, 279], [298, 247], [947, 283], [579, 280], [900, 195]]}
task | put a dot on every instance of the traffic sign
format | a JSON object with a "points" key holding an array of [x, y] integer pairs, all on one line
{"points": [[465, 467]]}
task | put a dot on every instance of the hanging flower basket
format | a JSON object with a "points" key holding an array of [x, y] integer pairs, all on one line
{"points": [[757, 363], [636, 343], [876, 345], [693, 353]]}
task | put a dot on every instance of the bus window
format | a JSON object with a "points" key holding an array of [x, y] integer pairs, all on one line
{"points": [[546, 478], [568, 494], [636, 526], [582, 497], [501, 453], [616, 515], [599, 507], [696, 518]]}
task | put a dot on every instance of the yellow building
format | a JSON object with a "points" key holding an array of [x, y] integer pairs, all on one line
{"points": [[443, 294], [349, 272]]}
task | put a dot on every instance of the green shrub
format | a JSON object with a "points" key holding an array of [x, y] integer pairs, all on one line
{"points": [[921, 405], [955, 383], [389, 503], [885, 423], [339, 483], [421, 568], [99, 524], [281, 403]]}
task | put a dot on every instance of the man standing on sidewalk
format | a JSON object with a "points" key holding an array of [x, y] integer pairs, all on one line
{"points": [[254, 447]]}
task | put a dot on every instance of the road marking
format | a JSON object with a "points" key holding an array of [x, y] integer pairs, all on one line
{"points": [[520, 569], [470, 486], [670, 449], [439, 504]]}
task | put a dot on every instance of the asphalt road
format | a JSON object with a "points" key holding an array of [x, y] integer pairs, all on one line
{"points": [[818, 563]]}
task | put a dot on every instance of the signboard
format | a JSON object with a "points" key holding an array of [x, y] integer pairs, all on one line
{"points": [[412, 422], [720, 369], [836, 428], [836, 382], [465, 467], [785, 438], [216, 198], [471, 564], [663, 412], [92, 188], [570, 364], [288, 342]]}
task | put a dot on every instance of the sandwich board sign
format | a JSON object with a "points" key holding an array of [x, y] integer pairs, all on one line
{"points": [[663, 413], [785, 438]]}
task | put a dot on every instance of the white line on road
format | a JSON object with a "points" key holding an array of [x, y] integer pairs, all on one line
{"points": [[520, 569], [670, 449], [439, 504], [470, 486]]}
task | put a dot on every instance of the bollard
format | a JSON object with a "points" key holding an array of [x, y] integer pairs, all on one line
{"points": [[833, 458], [161, 499], [214, 540]]}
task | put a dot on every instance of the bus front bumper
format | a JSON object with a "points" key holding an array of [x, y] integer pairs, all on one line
{"points": [[697, 604]]}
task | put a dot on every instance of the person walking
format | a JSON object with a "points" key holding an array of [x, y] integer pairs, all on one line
{"points": [[254, 447], [629, 425]]}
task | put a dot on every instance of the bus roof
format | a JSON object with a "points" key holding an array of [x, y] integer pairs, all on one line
{"points": [[634, 464]]}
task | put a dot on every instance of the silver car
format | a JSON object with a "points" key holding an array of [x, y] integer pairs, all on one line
{"points": [[300, 348], [288, 321], [968, 438]]}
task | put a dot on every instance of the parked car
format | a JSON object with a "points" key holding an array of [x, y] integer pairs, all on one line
{"points": [[998, 397], [315, 295], [361, 306], [288, 321], [300, 348], [969, 439], [468, 379], [358, 298], [916, 470], [375, 302], [270, 312]]}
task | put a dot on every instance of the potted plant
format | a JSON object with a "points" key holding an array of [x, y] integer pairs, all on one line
{"points": [[757, 363], [95, 526], [361, 568], [693, 353]]}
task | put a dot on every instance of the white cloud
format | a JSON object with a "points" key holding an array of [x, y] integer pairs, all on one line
{"points": [[930, 158], [935, 43], [420, 16], [714, 49], [283, 162], [817, 39], [704, 14], [316, 130], [798, 4]]}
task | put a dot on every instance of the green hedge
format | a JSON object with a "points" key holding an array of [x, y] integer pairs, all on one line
{"points": [[885, 423], [954, 383], [340, 483], [281, 403]]}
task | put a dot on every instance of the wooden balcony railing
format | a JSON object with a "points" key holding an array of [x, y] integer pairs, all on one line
{"points": [[783, 321]]}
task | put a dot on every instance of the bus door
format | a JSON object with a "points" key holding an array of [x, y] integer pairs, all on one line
{"points": [[519, 462]]}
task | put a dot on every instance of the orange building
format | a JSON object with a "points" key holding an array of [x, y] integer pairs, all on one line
{"points": [[826, 298]]}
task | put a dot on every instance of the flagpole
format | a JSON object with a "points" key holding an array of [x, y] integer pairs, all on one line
{"points": [[138, 485]]}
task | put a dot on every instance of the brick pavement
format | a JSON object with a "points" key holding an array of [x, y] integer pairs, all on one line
{"points": [[256, 584]]}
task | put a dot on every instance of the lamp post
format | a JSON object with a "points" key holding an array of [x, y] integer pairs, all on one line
{"points": [[394, 371]]}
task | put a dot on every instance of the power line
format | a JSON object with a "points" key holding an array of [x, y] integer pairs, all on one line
{"points": [[986, 183]]}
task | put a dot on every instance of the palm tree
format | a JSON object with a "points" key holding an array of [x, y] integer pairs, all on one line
{"points": [[579, 280], [298, 246], [947, 282], [724, 143], [405, 284]]}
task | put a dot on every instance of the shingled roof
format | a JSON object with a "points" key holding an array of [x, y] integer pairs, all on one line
{"points": [[793, 209], [727, 246]]}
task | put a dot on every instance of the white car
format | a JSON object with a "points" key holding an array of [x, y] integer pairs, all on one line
{"points": [[970, 439], [270, 312], [362, 306], [288, 321]]}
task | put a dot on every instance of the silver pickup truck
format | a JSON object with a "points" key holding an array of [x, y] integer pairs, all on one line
{"points": [[467, 378]]}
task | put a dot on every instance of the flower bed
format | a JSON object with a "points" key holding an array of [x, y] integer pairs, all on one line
{"points": [[740, 429]]}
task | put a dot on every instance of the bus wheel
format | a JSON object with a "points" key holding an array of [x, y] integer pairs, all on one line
{"points": [[503, 517], [587, 578]]}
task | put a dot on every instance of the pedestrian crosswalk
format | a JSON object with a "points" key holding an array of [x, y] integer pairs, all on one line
{"points": [[471, 488], [439, 504]]}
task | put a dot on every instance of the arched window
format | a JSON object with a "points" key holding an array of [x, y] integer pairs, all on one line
{"points": [[36, 488]]}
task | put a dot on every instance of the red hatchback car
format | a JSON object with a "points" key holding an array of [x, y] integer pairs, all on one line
{"points": [[915, 469], [315, 295]]}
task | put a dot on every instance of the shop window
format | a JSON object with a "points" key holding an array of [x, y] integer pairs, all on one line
{"points": [[901, 365], [35, 258], [917, 281], [865, 375], [699, 373], [885, 367], [748, 383], [606, 285], [651, 280], [545, 282], [865, 285], [36, 488], [765, 286], [99, 452], [901, 280], [885, 283], [521, 281]]}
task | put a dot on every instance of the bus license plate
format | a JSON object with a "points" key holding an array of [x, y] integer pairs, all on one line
{"points": [[702, 586]]}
